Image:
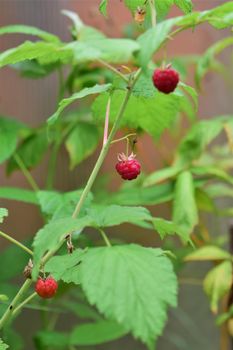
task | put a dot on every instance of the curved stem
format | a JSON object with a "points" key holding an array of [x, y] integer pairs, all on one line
{"points": [[113, 69], [12, 240], [105, 238], [153, 12], [7, 315], [123, 138], [26, 173], [26, 301]]}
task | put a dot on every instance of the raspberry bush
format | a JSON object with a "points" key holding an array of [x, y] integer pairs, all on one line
{"points": [[120, 89]]}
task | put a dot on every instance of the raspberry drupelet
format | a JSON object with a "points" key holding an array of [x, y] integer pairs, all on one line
{"points": [[128, 167]]}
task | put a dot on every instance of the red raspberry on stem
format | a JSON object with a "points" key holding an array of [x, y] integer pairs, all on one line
{"points": [[165, 79], [128, 167], [46, 287]]}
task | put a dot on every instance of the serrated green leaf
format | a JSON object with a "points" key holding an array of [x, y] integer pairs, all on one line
{"points": [[103, 7], [185, 213], [3, 346], [97, 89], [185, 5], [132, 285], [45, 52], [9, 131], [151, 40], [112, 215], [217, 283], [219, 17], [60, 205], [81, 142], [66, 267], [24, 29], [208, 253], [3, 213], [18, 194], [161, 175], [31, 151], [52, 234], [96, 333], [208, 58], [165, 227], [153, 115]]}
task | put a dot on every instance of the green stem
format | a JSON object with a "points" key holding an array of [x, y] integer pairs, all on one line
{"points": [[153, 12], [105, 238], [102, 156], [113, 69], [52, 165], [123, 138], [26, 301], [7, 315], [26, 173], [12, 240]]}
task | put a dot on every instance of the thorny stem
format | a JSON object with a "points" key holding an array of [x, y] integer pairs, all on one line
{"points": [[26, 173], [105, 238], [12, 240], [113, 69], [7, 315]]}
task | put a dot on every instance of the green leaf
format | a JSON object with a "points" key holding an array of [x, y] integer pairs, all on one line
{"points": [[165, 227], [52, 234], [185, 213], [192, 93], [151, 40], [66, 267], [161, 175], [195, 142], [96, 333], [219, 190], [219, 17], [9, 131], [31, 151], [3, 346], [81, 142], [58, 340], [78, 95], [217, 283], [208, 253], [212, 171], [3, 213], [18, 194], [78, 23], [103, 7], [33, 69], [132, 285], [60, 205], [142, 196], [23, 29], [162, 7], [204, 201], [153, 115], [9, 254], [46, 52], [207, 60], [112, 215], [185, 5]]}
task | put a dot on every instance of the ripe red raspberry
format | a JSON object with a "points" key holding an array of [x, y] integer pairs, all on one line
{"points": [[128, 167], [46, 288], [165, 79]]}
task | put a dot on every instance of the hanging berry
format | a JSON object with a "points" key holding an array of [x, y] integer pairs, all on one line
{"points": [[46, 287], [128, 167], [165, 79], [139, 15]]}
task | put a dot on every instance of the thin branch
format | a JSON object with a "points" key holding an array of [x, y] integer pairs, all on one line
{"points": [[26, 173], [123, 138], [26, 301], [113, 69], [105, 238], [107, 121], [153, 12], [12, 240]]}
